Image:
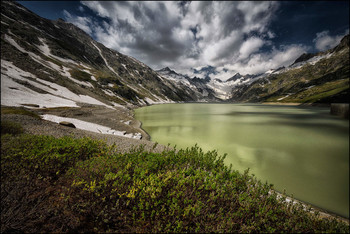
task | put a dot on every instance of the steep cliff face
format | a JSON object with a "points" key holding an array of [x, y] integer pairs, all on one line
{"points": [[43, 60]]}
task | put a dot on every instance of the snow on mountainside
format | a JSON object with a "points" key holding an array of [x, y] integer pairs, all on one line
{"points": [[203, 92], [213, 89], [54, 63]]}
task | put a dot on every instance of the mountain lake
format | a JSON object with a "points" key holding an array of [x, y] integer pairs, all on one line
{"points": [[302, 150]]}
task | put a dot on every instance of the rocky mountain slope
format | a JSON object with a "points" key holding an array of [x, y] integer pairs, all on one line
{"points": [[208, 89], [201, 89], [54, 63], [312, 78]]}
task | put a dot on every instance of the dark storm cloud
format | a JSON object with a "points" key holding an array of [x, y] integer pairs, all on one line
{"points": [[183, 6], [232, 21], [206, 9], [149, 25]]}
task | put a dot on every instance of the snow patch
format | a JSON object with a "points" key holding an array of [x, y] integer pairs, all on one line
{"points": [[46, 51], [284, 96], [118, 105], [35, 57], [109, 67], [92, 127], [109, 92], [14, 94], [14, 43], [126, 122], [161, 101], [67, 74], [7, 17]]}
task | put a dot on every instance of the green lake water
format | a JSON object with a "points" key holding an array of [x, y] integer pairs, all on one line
{"points": [[303, 150]]}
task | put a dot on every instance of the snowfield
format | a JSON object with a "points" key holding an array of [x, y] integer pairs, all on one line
{"points": [[52, 95]]}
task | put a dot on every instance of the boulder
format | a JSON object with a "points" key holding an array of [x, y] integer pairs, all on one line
{"points": [[67, 124]]}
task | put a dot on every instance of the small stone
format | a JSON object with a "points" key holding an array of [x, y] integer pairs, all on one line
{"points": [[31, 105], [67, 124]]}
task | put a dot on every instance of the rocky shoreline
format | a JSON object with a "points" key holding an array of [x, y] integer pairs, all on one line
{"points": [[114, 119], [111, 118]]}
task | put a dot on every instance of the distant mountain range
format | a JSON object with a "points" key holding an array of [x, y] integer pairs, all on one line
{"points": [[47, 63], [313, 78]]}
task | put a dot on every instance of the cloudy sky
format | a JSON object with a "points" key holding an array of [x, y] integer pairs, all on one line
{"points": [[240, 36]]}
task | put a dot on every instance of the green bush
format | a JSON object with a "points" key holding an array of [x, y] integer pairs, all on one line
{"points": [[87, 186], [9, 127], [47, 156]]}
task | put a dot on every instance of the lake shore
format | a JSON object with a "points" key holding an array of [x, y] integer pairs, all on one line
{"points": [[112, 118], [279, 103], [120, 119], [297, 104]]}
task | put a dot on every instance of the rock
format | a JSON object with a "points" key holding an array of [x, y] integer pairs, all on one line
{"points": [[31, 105], [340, 109], [67, 124]]}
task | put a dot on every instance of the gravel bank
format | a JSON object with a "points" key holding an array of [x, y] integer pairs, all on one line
{"points": [[42, 127]]}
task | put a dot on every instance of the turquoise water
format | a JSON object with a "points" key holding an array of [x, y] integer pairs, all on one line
{"points": [[303, 150]]}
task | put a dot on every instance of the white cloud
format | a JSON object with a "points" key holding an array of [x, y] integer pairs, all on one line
{"points": [[271, 34], [82, 22], [182, 36], [324, 41], [259, 63], [250, 46]]}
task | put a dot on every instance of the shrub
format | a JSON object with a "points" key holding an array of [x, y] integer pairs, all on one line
{"points": [[87, 186], [9, 127]]}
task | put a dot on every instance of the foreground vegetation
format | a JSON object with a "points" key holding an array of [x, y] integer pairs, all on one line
{"points": [[83, 185]]}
